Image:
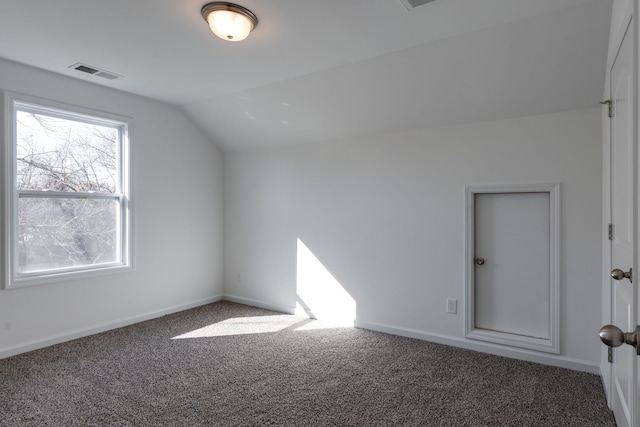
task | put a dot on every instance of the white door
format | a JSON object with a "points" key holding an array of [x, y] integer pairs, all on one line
{"points": [[512, 289], [623, 294]]}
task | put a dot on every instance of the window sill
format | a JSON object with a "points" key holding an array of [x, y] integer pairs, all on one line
{"points": [[65, 276]]}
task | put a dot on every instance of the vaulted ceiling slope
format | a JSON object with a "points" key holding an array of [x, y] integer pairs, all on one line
{"points": [[316, 71]]}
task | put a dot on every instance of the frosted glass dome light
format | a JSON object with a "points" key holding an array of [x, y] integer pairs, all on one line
{"points": [[229, 21]]}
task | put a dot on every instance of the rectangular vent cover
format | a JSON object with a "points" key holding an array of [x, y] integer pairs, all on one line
{"points": [[86, 69], [95, 71], [411, 4]]}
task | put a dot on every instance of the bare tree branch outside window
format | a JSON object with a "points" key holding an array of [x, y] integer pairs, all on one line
{"points": [[62, 158]]}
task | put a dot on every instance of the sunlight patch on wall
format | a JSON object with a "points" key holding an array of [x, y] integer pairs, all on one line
{"points": [[244, 326], [320, 295]]}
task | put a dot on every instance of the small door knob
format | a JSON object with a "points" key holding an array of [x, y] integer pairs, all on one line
{"points": [[480, 260], [618, 274], [613, 336]]}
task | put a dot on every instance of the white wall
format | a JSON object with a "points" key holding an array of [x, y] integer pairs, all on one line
{"points": [[386, 217], [178, 224]]}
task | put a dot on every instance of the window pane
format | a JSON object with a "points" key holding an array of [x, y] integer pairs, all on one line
{"points": [[56, 233], [65, 155]]}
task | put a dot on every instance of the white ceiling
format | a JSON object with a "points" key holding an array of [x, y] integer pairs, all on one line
{"points": [[325, 70]]}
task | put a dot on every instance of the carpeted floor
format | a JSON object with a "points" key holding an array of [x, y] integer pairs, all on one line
{"points": [[227, 364]]}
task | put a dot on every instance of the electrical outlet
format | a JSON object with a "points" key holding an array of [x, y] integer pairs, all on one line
{"points": [[452, 305]]}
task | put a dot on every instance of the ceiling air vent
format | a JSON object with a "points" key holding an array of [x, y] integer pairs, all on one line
{"points": [[95, 71], [411, 4]]}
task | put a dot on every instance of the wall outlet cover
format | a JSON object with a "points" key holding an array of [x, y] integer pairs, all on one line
{"points": [[452, 305]]}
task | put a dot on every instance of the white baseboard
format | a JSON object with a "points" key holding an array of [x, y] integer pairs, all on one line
{"points": [[498, 350], [513, 353], [85, 332], [527, 355], [260, 304]]}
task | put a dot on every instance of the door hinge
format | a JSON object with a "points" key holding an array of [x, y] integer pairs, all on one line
{"points": [[610, 354], [609, 105], [610, 231]]}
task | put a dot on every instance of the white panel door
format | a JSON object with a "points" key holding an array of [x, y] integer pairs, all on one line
{"points": [[512, 285], [623, 292]]}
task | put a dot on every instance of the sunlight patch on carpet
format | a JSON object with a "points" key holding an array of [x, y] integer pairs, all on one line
{"points": [[316, 325], [243, 326]]}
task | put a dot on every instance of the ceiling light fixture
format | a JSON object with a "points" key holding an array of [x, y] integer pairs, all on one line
{"points": [[229, 21]]}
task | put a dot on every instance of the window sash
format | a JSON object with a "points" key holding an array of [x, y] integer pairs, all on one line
{"points": [[53, 266], [121, 250], [122, 129]]}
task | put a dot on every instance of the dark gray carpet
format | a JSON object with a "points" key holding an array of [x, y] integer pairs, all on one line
{"points": [[226, 364]]}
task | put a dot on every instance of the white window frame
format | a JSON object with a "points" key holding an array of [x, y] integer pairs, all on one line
{"points": [[9, 231]]}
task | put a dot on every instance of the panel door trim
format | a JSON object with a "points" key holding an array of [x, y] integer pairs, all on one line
{"points": [[552, 344]]}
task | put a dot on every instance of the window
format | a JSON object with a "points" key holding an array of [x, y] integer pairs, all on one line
{"points": [[67, 204]]}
